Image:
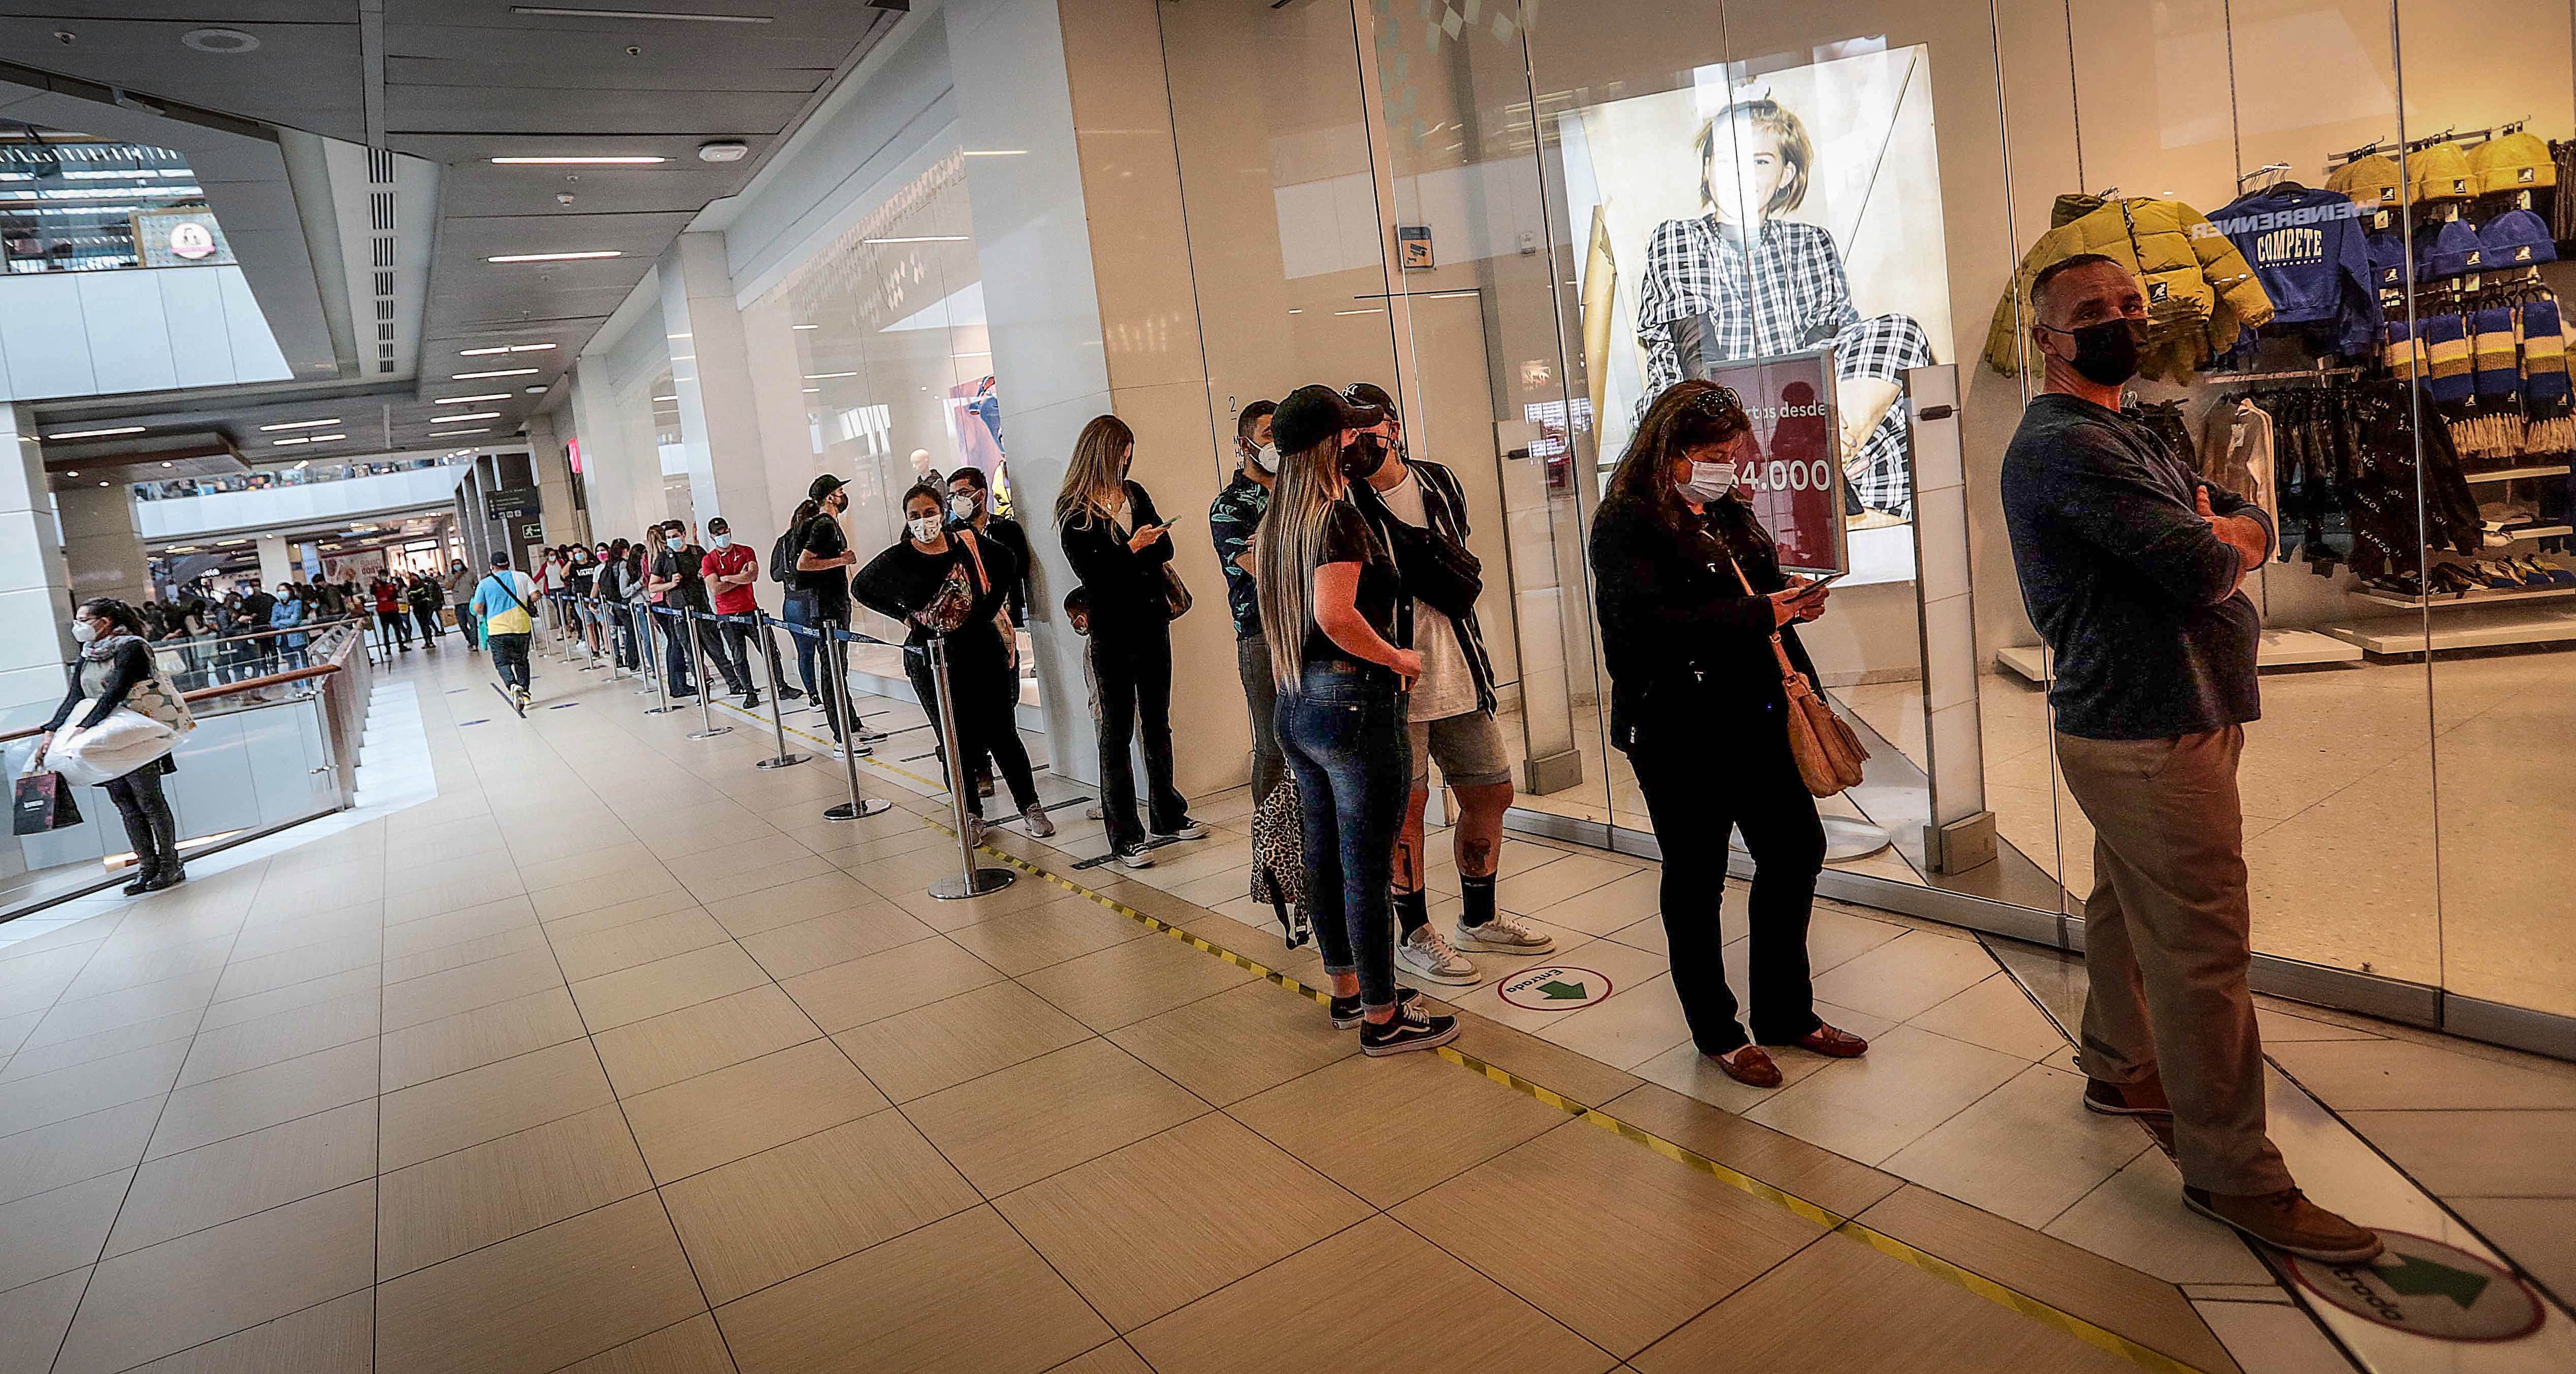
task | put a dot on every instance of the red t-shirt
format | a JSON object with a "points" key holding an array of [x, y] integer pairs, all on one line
{"points": [[730, 562]]}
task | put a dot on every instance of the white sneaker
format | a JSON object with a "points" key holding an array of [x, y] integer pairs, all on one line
{"points": [[1039, 825], [1503, 935], [1427, 954], [1188, 829], [974, 831]]}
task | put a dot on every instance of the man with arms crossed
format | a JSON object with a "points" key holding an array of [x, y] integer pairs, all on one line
{"points": [[1451, 712], [2130, 567]]}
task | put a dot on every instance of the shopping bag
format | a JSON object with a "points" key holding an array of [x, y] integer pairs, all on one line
{"points": [[44, 803], [116, 746]]}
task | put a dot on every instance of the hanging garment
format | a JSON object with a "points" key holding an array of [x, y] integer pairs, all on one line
{"points": [[2237, 454], [2200, 291], [2312, 254], [2547, 402]]}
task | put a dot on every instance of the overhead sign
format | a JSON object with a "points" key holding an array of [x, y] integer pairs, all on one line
{"points": [[2428, 1288], [1797, 487], [516, 503], [1555, 987], [180, 238]]}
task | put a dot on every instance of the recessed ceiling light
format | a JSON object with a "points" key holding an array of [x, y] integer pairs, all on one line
{"points": [[827, 376], [996, 152], [536, 391], [281, 443], [485, 396], [666, 398], [576, 161], [299, 424], [300, 465], [804, 326], [498, 372], [922, 238], [96, 433], [327, 438], [478, 415], [811, 390], [71, 474], [102, 484], [679, 16], [225, 41], [724, 150], [452, 433], [556, 257]]}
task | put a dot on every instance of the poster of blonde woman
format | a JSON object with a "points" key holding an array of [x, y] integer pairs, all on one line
{"points": [[1748, 217]]}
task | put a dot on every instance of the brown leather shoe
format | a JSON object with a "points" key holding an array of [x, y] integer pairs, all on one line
{"points": [[1832, 1043], [2287, 1221], [1750, 1066], [2126, 1099]]}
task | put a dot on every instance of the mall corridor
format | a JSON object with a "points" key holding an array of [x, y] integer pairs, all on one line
{"points": [[613, 1055]]}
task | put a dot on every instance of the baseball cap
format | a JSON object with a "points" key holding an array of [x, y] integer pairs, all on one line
{"points": [[1370, 394], [1312, 413], [823, 486]]}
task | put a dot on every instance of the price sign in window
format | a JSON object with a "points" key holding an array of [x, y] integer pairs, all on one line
{"points": [[1797, 487]]}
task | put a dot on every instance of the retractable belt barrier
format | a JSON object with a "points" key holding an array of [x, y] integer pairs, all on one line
{"points": [[835, 642], [971, 881]]}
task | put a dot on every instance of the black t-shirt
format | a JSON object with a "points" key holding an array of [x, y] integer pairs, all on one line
{"points": [[1347, 539], [903, 579], [830, 587], [683, 563]]}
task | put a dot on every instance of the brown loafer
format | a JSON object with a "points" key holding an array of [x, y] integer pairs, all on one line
{"points": [[2287, 1221], [1750, 1066], [2126, 1099], [1832, 1043]]}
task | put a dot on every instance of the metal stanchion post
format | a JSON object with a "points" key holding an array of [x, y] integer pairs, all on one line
{"points": [[970, 881], [661, 681], [589, 614], [777, 723], [836, 653], [707, 727], [639, 628]]}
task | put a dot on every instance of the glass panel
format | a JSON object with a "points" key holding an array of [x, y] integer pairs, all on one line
{"points": [[1484, 256], [2500, 669], [74, 203], [2263, 323]]}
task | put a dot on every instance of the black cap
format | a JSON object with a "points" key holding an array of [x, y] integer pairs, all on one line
{"points": [[1313, 413], [823, 486], [1369, 394]]}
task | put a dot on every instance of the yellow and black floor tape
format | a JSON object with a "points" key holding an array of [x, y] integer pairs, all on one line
{"points": [[1850, 1228]]}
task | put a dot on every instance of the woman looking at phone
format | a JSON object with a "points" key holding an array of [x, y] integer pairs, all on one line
{"points": [[1689, 593], [1121, 549]]}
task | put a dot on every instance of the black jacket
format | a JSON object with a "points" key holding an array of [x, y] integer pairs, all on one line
{"points": [[1678, 634], [1126, 587]]}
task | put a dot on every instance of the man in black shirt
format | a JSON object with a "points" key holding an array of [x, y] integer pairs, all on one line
{"points": [[823, 562], [2131, 568]]}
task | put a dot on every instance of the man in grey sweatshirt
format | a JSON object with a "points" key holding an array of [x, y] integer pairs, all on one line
{"points": [[2131, 567]]}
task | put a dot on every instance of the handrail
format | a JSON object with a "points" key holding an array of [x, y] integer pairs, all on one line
{"points": [[176, 642], [220, 690]]}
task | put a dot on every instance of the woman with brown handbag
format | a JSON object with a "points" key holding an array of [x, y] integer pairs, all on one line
{"points": [[1697, 627]]}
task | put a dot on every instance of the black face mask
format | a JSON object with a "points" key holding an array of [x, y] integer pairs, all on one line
{"points": [[1363, 458], [2106, 354]]}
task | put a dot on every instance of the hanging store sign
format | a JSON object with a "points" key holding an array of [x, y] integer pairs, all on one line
{"points": [[515, 503], [1797, 486], [180, 238]]}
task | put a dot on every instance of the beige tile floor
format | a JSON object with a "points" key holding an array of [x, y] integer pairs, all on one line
{"points": [[587, 1063]]}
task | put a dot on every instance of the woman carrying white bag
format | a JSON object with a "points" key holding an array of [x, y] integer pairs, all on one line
{"points": [[124, 740]]}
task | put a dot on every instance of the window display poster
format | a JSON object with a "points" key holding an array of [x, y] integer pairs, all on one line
{"points": [[975, 417], [1827, 171], [1796, 486]]}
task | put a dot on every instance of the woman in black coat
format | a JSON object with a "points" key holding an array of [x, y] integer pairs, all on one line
{"points": [[114, 660], [1697, 705]]}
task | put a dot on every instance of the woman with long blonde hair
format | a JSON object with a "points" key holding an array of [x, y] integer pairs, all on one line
{"points": [[1122, 552], [1330, 598]]}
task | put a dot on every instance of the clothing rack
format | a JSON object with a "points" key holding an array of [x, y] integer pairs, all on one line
{"points": [[2414, 145], [2267, 169], [2319, 373]]}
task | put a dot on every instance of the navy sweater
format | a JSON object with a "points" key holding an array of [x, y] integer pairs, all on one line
{"points": [[2134, 593]]}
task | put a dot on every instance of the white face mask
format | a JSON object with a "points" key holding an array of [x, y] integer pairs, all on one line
{"points": [[961, 507], [83, 632], [1267, 456], [1709, 481], [724, 541], [924, 528]]}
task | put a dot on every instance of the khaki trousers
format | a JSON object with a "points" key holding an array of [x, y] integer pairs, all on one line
{"points": [[2167, 941]]}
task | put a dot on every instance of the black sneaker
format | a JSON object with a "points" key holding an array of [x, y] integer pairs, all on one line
{"points": [[1347, 1011], [1412, 1029], [1188, 829]]}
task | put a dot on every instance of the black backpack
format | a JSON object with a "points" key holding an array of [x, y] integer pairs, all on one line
{"points": [[782, 558]]}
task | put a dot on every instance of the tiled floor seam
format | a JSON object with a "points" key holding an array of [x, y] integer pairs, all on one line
{"points": [[157, 1117], [1959, 1276]]}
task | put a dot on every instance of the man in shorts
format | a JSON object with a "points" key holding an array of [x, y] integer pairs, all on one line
{"points": [[1451, 714]]}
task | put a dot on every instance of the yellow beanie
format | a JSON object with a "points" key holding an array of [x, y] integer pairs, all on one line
{"points": [[2371, 181], [2442, 172], [2515, 162]]}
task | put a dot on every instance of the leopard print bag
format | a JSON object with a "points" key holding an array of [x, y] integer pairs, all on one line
{"points": [[1279, 861]]}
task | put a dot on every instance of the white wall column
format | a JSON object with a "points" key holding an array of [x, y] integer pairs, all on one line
{"points": [[1083, 93], [624, 479], [35, 589], [564, 522], [711, 372], [102, 551], [277, 563]]}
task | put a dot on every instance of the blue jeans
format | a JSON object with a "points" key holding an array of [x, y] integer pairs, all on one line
{"points": [[802, 610], [1345, 742]]}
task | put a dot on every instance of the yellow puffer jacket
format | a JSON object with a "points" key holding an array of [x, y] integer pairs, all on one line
{"points": [[2199, 289]]}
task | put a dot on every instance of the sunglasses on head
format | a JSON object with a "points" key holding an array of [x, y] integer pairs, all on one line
{"points": [[1717, 401]]}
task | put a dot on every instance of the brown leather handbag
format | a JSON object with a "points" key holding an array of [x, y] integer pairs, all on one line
{"points": [[1829, 755]]}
